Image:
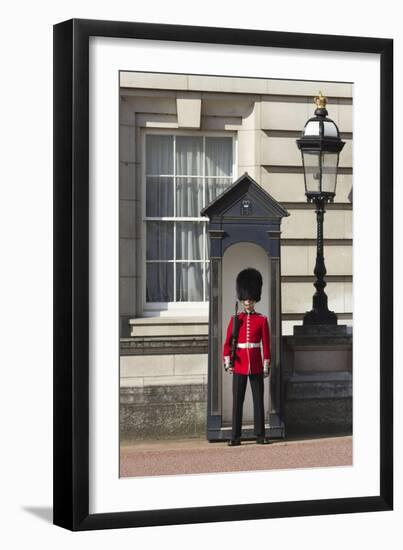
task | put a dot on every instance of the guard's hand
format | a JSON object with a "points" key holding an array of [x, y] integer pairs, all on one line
{"points": [[231, 370], [266, 373]]}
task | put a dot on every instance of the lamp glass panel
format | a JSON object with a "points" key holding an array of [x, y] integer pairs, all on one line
{"points": [[311, 160], [312, 128], [330, 129], [329, 172]]}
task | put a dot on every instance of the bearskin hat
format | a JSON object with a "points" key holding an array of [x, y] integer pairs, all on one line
{"points": [[249, 284]]}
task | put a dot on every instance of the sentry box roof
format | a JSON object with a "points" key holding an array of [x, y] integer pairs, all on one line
{"points": [[245, 197]]}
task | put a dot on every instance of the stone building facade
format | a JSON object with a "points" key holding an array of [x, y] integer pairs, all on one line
{"points": [[254, 124]]}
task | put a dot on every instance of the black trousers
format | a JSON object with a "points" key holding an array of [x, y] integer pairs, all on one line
{"points": [[238, 395]]}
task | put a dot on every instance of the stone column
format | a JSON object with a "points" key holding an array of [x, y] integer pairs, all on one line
{"points": [[215, 370]]}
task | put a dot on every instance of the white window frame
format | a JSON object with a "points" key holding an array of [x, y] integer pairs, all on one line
{"points": [[152, 309]]}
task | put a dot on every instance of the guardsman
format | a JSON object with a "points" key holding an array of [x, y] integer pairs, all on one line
{"points": [[242, 355]]}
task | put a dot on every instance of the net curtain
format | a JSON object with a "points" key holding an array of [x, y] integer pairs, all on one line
{"points": [[184, 174]]}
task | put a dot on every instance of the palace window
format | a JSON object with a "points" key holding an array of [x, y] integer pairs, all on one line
{"points": [[183, 173]]}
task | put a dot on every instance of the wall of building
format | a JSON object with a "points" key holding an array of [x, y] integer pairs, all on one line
{"points": [[163, 396], [266, 116]]}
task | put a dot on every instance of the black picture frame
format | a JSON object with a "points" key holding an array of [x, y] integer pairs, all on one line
{"points": [[71, 273]]}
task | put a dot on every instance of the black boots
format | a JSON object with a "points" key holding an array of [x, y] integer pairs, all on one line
{"points": [[261, 440]]}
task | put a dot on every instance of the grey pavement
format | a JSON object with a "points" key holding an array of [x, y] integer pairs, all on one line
{"points": [[191, 456]]}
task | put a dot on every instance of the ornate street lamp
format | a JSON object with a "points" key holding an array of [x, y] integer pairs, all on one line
{"points": [[320, 145]]}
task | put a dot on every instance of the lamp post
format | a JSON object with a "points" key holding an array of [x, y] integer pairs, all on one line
{"points": [[320, 145]]}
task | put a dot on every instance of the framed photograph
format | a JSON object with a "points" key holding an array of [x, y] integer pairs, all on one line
{"points": [[223, 307]]}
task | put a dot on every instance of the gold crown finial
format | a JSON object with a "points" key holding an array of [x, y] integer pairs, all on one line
{"points": [[320, 101]]}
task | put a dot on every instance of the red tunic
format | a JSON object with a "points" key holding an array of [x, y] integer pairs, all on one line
{"points": [[253, 328]]}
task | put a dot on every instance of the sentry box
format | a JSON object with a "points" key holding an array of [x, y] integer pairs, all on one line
{"points": [[244, 231]]}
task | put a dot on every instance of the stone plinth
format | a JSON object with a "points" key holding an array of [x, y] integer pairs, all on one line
{"points": [[163, 411], [317, 382]]}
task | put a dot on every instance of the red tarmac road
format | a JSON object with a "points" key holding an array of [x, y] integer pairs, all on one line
{"points": [[199, 456]]}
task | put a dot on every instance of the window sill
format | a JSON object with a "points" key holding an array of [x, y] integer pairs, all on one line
{"points": [[166, 335], [169, 320], [169, 326]]}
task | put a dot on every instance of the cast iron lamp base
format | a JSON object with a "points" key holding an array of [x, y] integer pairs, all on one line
{"points": [[320, 317], [320, 320], [320, 330]]}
